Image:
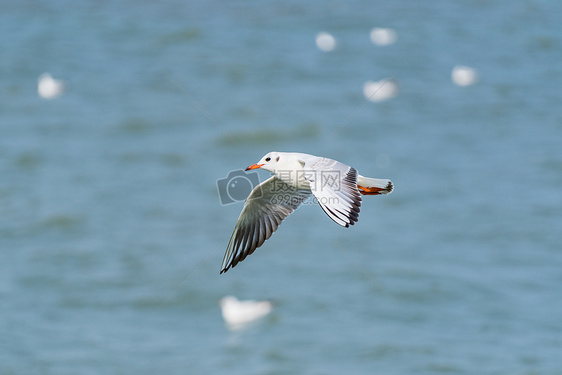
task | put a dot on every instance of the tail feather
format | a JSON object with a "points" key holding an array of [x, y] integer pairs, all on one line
{"points": [[374, 186]]}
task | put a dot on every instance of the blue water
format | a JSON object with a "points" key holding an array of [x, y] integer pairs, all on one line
{"points": [[112, 231]]}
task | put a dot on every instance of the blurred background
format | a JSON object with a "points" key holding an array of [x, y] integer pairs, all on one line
{"points": [[112, 231]]}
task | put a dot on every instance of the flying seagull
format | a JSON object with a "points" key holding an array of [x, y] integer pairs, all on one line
{"points": [[335, 186]]}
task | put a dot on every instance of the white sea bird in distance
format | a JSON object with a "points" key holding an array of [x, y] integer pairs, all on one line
{"points": [[325, 42], [335, 186], [238, 313], [383, 36], [48, 87], [378, 91], [462, 75]]}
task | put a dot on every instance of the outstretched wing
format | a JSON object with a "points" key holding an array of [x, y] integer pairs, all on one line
{"points": [[265, 208], [334, 185]]}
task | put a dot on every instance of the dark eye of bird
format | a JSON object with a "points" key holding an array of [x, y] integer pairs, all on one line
{"points": [[267, 159]]}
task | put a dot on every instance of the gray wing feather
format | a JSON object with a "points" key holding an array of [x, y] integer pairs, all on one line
{"points": [[265, 208]]}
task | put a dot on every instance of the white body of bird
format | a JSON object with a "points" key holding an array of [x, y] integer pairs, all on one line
{"points": [[383, 36], [237, 313], [464, 75], [325, 42], [48, 87], [379, 91]]}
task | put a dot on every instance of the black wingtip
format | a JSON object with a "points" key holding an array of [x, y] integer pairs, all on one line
{"points": [[389, 187]]}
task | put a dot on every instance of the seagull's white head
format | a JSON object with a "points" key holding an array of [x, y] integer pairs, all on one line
{"points": [[270, 162]]}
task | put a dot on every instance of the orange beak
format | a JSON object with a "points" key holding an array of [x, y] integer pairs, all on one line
{"points": [[254, 166]]}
